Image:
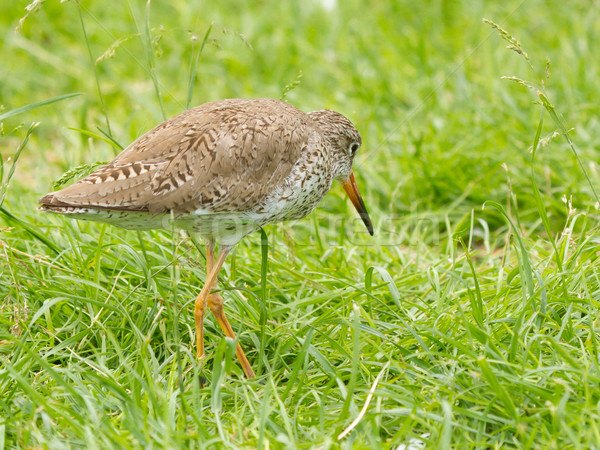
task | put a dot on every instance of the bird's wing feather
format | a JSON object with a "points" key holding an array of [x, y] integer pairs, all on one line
{"points": [[221, 156]]}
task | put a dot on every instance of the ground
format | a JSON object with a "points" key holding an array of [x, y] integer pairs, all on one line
{"points": [[470, 319]]}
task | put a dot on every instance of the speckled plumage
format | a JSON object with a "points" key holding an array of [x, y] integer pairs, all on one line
{"points": [[221, 169]]}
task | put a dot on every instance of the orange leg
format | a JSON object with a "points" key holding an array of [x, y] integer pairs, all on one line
{"points": [[215, 303], [201, 300]]}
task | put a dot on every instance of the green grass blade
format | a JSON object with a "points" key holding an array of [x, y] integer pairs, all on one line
{"points": [[11, 218], [264, 309], [500, 391], [32, 106], [96, 136], [148, 47], [560, 123], [94, 67], [194, 67], [355, 366], [527, 271], [11, 171], [477, 301]]}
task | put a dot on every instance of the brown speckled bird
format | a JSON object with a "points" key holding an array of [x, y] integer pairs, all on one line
{"points": [[221, 170]]}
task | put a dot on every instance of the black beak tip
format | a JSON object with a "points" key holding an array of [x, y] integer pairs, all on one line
{"points": [[367, 221]]}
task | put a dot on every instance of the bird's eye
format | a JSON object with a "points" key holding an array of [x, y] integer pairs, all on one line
{"points": [[354, 147]]}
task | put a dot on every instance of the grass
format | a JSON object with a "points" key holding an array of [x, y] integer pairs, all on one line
{"points": [[470, 320]]}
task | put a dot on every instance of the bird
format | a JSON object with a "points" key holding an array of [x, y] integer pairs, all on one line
{"points": [[221, 171]]}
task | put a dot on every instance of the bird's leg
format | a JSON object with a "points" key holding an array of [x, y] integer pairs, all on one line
{"points": [[215, 303], [201, 300], [210, 256]]}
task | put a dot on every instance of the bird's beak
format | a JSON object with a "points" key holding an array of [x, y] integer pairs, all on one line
{"points": [[352, 190]]}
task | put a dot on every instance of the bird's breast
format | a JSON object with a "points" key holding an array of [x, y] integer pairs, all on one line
{"points": [[299, 193]]}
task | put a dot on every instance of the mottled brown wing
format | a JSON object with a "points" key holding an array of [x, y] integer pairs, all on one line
{"points": [[221, 156]]}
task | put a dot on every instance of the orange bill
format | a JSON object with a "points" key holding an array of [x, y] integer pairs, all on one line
{"points": [[352, 190]]}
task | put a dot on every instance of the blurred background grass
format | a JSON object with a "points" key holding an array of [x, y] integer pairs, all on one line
{"points": [[422, 83], [442, 134]]}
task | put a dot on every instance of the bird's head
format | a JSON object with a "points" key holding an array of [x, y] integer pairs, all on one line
{"points": [[343, 142]]}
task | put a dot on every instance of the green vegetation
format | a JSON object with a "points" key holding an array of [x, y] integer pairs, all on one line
{"points": [[470, 320]]}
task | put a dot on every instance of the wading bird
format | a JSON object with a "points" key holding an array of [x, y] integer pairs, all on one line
{"points": [[221, 170]]}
